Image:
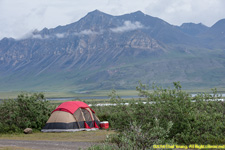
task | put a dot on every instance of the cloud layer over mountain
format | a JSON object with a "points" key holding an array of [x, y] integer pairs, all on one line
{"points": [[20, 17], [128, 26]]}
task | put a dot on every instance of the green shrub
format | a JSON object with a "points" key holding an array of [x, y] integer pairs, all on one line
{"points": [[181, 119], [25, 111], [137, 138]]}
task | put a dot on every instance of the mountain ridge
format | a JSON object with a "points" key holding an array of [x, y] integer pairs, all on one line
{"points": [[101, 51]]}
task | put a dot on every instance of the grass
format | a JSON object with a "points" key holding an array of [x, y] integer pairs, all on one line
{"points": [[14, 148], [89, 101], [90, 93], [61, 94], [7, 95], [219, 91], [80, 136], [58, 94]]}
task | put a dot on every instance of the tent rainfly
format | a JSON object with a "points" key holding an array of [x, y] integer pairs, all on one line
{"points": [[72, 116]]}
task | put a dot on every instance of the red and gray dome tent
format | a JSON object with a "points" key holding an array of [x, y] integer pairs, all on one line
{"points": [[72, 116]]}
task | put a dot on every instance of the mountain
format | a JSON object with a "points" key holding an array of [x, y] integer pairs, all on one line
{"points": [[101, 51], [218, 28], [215, 36], [193, 29]]}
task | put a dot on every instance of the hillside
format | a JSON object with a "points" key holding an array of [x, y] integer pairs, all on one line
{"points": [[101, 51]]}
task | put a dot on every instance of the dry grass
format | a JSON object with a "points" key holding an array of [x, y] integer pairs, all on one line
{"points": [[80, 136], [14, 148]]}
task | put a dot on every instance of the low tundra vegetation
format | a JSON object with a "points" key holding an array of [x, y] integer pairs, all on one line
{"points": [[27, 110], [169, 116]]}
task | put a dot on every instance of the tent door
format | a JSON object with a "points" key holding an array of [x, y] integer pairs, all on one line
{"points": [[88, 117], [78, 115]]}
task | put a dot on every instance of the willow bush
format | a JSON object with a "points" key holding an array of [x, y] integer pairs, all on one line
{"points": [[25, 111], [178, 117]]}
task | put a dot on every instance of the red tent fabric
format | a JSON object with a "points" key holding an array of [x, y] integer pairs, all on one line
{"points": [[72, 106]]}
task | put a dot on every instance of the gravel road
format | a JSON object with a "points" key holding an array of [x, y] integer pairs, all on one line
{"points": [[46, 145]]}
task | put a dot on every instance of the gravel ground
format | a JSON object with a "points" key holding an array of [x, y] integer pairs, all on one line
{"points": [[46, 145]]}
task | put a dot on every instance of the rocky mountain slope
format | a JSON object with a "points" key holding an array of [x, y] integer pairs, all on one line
{"points": [[101, 51]]}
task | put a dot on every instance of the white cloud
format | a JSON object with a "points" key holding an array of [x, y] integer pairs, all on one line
{"points": [[84, 32], [35, 35], [177, 12], [87, 32], [128, 26], [17, 17], [60, 35], [38, 36]]}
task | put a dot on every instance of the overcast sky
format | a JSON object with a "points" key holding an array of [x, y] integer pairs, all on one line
{"points": [[18, 17]]}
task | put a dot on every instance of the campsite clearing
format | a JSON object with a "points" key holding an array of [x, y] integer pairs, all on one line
{"points": [[80, 136], [82, 139]]}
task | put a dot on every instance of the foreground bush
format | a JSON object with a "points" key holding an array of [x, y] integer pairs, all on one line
{"points": [[25, 111], [169, 116]]}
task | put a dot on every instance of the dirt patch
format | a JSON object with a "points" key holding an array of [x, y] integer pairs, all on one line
{"points": [[80, 136], [53, 141], [48, 145]]}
